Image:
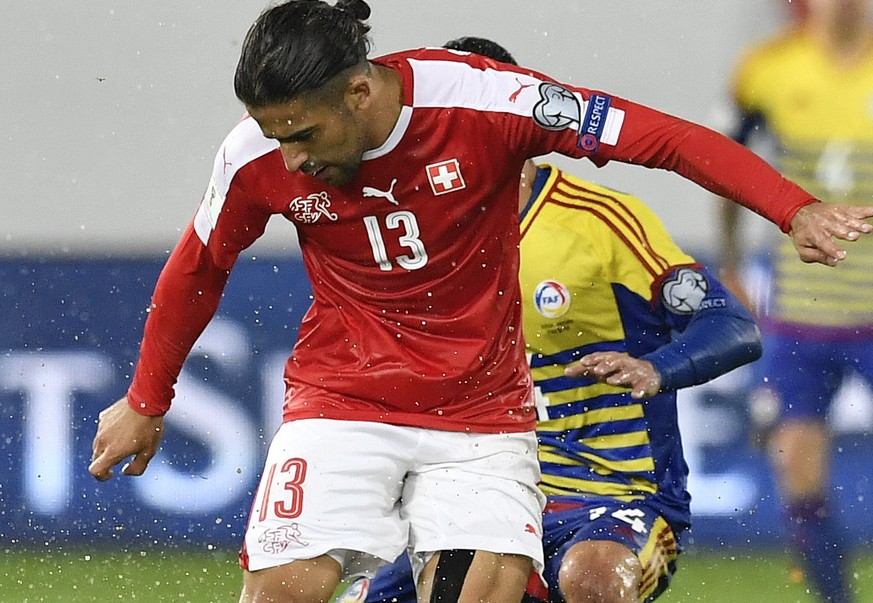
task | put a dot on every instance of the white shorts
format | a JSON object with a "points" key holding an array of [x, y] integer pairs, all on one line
{"points": [[365, 492]]}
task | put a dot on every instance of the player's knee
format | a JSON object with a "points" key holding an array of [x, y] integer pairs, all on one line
{"points": [[600, 571]]}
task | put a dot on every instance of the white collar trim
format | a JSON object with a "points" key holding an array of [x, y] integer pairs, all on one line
{"points": [[394, 138]]}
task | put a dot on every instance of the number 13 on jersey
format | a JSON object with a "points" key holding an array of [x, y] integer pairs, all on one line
{"points": [[406, 221]]}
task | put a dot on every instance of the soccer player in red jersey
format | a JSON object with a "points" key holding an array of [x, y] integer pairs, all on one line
{"points": [[611, 455], [408, 415]]}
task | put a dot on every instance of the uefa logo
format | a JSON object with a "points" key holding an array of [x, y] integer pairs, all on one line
{"points": [[552, 299]]}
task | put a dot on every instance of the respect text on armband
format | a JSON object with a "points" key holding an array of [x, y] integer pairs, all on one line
{"points": [[592, 126]]}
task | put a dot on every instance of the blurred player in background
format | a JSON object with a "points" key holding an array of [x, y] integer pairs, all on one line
{"points": [[809, 91], [616, 319], [400, 175]]}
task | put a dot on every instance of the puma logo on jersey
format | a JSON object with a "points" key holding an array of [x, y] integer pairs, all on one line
{"points": [[514, 96], [369, 191]]}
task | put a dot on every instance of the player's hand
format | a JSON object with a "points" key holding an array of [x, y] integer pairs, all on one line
{"points": [[122, 432], [814, 227], [617, 368]]}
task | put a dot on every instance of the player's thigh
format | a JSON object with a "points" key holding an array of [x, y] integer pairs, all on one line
{"points": [[330, 488], [475, 492], [302, 581], [635, 527], [395, 583], [460, 576]]}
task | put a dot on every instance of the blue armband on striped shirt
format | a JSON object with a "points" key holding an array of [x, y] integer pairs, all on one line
{"points": [[716, 340]]}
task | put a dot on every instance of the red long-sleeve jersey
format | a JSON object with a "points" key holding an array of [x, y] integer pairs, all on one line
{"points": [[416, 316]]}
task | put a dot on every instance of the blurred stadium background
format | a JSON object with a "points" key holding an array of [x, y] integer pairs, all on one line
{"points": [[112, 114]]}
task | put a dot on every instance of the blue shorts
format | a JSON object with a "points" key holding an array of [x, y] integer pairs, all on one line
{"points": [[804, 375], [635, 525], [393, 583]]}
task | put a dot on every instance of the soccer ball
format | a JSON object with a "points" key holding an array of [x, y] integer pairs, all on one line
{"points": [[356, 592]]}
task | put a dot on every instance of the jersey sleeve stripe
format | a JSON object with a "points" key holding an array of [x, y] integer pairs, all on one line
{"points": [[440, 84], [610, 209], [202, 225], [244, 144], [618, 216], [648, 262]]}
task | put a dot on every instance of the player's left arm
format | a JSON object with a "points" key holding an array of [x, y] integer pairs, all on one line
{"points": [[559, 122], [730, 170], [714, 334]]}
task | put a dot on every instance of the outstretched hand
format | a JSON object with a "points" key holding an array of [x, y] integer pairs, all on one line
{"points": [[617, 368], [814, 227], [123, 432]]}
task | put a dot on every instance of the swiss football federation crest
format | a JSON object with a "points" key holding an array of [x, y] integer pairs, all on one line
{"points": [[445, 177], [310, 208], [276, 540]]}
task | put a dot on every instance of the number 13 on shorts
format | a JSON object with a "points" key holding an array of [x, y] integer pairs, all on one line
{"points": [[284, 498]]}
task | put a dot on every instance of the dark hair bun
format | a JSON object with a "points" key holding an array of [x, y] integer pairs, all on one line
{"points": [[359, 9]]}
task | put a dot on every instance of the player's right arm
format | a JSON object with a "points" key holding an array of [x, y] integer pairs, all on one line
{"points": [[123, 432], [186, 297]]}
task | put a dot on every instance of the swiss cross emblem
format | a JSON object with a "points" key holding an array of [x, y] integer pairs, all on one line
{"points": [[445, 177]]}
